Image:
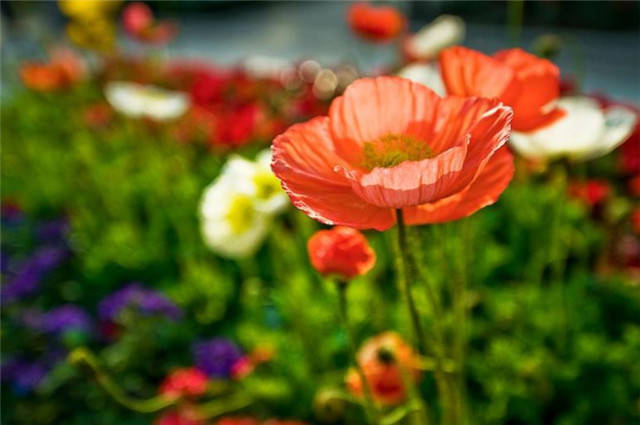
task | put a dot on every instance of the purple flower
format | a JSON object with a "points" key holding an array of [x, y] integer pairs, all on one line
{"points": [[144, 301], [216, 357], [24, 375], [30, 273], [58, 321]]}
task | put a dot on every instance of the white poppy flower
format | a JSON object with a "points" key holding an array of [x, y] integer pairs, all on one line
{"points": [[231, 225], [587, 131], [428, 42], [138, 100], [256, 179], [427, 74]]}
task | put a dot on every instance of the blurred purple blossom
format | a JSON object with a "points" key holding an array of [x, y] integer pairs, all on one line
{"points": [[59, 320], [146, 302], [24, 375], [29, 274], [216, 357]]}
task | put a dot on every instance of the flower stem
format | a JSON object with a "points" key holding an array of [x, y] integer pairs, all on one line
{"points": [[84, 357], [405, 276], [370, 408]]}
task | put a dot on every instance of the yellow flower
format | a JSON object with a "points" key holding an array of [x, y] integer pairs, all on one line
{"points": [[97, 34], [88, 9], [92, 22]]}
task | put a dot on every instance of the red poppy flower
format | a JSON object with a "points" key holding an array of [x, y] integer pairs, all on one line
{"points": [[521, 80], [380, 24], [381, 359], [139, 23], [591, 192], [390, 143], [186, 382], [341, 251]]}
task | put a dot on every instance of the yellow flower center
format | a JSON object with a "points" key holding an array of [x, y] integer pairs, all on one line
{"points": [[241, 213], [393, 149], [267, 185]]}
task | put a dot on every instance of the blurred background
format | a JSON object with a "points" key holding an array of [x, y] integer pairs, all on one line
{"points": [[602, 46]]}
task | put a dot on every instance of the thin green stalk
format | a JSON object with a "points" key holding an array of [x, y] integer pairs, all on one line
{"points": [[405, 277], [560, 253], [370, 408], [82, 356], [515, 20]]}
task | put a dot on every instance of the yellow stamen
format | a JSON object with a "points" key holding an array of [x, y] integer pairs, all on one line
{"points": [[393, 149]]}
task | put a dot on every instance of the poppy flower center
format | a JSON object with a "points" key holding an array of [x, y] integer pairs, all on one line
{"points": [[241, 213], [393, 149]]}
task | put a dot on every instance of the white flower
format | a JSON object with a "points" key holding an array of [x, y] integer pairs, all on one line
{"points": [[255, 178], [138, 100], [444, 31], [231, 225], [586, 131], [427, 74], [237, 208]]}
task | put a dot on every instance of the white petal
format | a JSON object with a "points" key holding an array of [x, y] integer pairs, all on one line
{"points": [[136, 100], [619, 124], [125, 98], [427, 74], [578, 134], [444, 31]]}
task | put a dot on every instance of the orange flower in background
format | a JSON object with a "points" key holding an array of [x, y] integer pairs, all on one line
{"points": [[341, 251], [521, 80], [389, 143], [185, 382], [382, 360], [380, 24], [63, 70], [139, 23]]}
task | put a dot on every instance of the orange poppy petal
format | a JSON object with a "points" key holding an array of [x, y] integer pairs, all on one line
{"points": [[373, 108], [409, 183], [484, 191], [540, 82], [304, 160], [308, 149], [466, 72], [419, 182]]}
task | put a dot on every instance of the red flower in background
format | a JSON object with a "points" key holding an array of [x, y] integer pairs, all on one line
{"points": [[186, 382], [341, 251], [592, 192], [379, 24], [389, 143], [519, 79], [381, 359], [139, 23]]}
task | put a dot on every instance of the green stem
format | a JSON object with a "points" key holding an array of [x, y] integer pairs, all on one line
{"points": [[515, 20], [560, 253], [370, 408], [82, 356], [405, 277]]}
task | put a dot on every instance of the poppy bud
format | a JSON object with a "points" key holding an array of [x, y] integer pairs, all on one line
{"points": [[342, 251]]}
